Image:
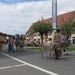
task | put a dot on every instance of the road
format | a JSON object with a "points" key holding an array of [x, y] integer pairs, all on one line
{"points": [[31, 63]]}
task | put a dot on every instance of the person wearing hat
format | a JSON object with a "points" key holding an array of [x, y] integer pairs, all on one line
{"points": [[57, 40]]}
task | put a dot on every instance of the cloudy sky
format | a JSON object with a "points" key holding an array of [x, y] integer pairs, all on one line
{"points": [[16, 16]]}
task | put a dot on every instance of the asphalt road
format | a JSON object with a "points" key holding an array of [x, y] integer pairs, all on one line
{"points": [[31, 63]]}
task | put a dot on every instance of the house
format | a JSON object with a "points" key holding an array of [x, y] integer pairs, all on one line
{"points": [[36, 36]]}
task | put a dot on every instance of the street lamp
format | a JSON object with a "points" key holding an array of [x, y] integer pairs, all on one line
{"points": [[15, 30]]}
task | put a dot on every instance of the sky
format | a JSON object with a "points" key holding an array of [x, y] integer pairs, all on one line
{"points": [[16, 16]]}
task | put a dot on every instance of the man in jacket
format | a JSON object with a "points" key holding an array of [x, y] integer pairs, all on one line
{"points": [[57, 40]]}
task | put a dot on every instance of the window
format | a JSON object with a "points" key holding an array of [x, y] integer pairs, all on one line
{"points": [[34, 39], [38, 39], [38, 34], [27, 35], [50, 39]]}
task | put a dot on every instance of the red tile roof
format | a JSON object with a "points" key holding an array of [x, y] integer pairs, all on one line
{"points": [[65, 16]]}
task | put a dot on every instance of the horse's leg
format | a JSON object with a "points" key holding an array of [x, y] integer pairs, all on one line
{"points": [[50, 49], [54, 53], [46, 54], [42, 52], [50, 54]]}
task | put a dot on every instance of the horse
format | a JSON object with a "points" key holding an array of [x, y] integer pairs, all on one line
{"points": [[47, 47]]}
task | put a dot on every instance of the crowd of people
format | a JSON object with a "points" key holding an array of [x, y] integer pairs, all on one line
{"points": [[32, 43], [17, 40]]}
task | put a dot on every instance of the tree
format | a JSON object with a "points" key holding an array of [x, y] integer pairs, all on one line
{"points": [[42, 27], [67, 25], [73, 26]]}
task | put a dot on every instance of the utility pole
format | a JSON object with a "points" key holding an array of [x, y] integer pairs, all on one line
{"points": [[54, 14], [54, 17]]}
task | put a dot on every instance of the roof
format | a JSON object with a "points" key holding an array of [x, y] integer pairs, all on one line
{"points": [[65, 16]]}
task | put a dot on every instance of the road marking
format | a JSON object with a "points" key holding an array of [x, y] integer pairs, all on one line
{"points": [[11, 66], [36, 67]]}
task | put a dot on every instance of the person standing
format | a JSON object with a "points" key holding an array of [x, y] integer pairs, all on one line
{"points": [[64, 43], [57, 41], [17, 42], [10, 44], [22, 43], [2, 40]]}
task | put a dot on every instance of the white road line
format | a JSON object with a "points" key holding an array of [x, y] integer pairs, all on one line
{"points": [[36, 67], [11, 66]]}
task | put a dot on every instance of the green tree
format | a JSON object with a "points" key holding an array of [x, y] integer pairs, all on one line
{"points": [[42, 27], [73, 26], [67, 25]]}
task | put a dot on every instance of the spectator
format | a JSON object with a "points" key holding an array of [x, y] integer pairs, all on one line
{"points": [[64, 43], [10, 44], [22, 43], [2, 40], [17, 42]]}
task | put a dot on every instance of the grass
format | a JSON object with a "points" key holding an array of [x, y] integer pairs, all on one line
{"points": [[40, 48], [34, 48], [71, 48], [37, 48]]}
